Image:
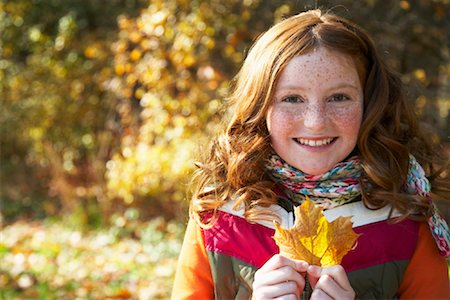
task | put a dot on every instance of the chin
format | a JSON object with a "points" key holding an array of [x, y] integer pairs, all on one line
{"points": [[315, 171]]}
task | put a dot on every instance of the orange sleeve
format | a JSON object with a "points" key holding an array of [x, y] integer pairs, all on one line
{"points": [[426, 276], [193, 279]]}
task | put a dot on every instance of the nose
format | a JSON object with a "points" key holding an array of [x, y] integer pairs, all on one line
{"points": [[315, 117]]}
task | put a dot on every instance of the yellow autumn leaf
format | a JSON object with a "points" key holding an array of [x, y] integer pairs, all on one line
{"points": [[91, 52], [135, 55], [314, 239], [420, 75]]}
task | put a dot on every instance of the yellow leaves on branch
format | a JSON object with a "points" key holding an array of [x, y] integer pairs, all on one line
{"points": [[314, 239]]}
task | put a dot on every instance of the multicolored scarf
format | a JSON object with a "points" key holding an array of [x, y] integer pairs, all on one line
{"points": [[342, 185]]}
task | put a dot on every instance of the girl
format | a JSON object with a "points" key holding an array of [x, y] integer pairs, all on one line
{"points": [[317, 113]]}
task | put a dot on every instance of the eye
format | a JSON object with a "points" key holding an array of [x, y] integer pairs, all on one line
{"points": [[339, 98], [292, 99]]}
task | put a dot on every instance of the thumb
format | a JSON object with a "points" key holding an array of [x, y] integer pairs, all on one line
{"points": [[314, 275], [301, 266]]}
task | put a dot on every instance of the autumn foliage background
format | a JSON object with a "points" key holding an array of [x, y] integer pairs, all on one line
{"points": [[106, 104]]}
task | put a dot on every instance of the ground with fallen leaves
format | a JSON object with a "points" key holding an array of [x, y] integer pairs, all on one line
{"points": [[129, 260], [125, 261]]}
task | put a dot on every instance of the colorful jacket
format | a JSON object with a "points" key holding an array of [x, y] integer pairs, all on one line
{"points": [[391, 259]]}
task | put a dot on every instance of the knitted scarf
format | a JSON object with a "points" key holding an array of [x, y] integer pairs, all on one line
{"points": [[342, 185]]}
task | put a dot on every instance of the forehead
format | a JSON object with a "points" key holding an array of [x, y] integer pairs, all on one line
{"points": [[325, 65], [320, 61]]}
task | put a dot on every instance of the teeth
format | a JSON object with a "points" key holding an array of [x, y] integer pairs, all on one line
{"points": [[314, 143]]}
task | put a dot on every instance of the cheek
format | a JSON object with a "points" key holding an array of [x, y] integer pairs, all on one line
{"points": [[348, 119], [280, 121]]}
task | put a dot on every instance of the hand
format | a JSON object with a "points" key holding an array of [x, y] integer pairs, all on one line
{"points": [[280, 278], [330, 283]]}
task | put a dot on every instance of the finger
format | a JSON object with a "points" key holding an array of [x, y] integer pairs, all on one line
{"points": [[280, 275], [328, 285], [336, 272], [278, 261], [287, 297], [339, 275], [274, 262], [284, 289], [319, 294], [313, 275]]}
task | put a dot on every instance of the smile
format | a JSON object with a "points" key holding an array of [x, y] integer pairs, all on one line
{"points": [[314, 143]]}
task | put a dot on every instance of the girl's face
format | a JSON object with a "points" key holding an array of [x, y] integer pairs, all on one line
{"points": [[317, 110]]}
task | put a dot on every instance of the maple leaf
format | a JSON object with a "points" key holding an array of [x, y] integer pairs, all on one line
{"points": [[314, 239]]}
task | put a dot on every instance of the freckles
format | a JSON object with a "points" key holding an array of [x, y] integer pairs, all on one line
{"points": [[282, 120], [314, 110], [346, 116]]}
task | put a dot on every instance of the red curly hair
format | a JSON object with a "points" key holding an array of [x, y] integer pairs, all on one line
{"points": [[389, 131]]}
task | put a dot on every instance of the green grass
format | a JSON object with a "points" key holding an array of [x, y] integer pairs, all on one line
{"points": [[129, 260]]}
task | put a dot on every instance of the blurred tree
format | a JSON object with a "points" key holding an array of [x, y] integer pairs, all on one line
{"points": [[58, 121], [109, 102], [173, 65]]}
